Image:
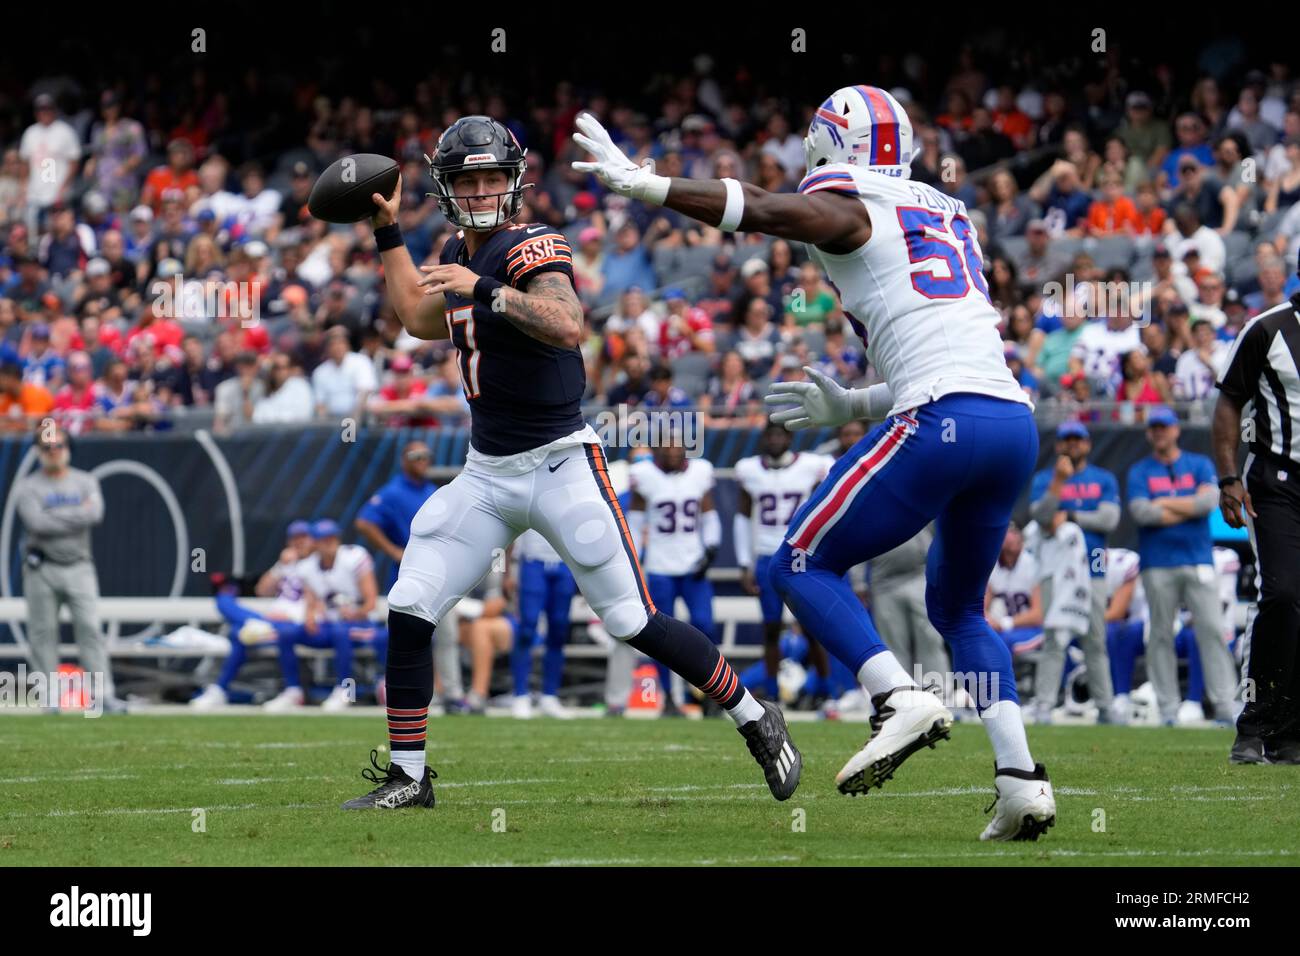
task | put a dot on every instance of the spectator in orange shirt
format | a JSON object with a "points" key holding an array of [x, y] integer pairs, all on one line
{"points": [[957, 120], [1114, 213], [1151, 215], [22, 404], [1010, 121], [177, 174]]}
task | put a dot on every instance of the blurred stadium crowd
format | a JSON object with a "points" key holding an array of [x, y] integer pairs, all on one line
{"points": [[158, 265]]}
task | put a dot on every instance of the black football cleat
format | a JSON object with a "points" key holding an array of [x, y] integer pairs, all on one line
{"points": [[769, 741], [1280, 751], [397, 789], [1247, 749]]}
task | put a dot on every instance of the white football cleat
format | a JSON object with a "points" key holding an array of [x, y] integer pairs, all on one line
{"points": [[1121, 709], [906, 719], [1190, 713], [522, 707], [550, 706], [340, 698], [287, 700], [213, 696], [1024, 806]]}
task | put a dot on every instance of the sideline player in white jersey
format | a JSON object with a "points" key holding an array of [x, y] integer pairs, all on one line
{"points": [[773, 485], [248, 627], [958, 444], [340, 593], [1013, 602], [672, 518]]}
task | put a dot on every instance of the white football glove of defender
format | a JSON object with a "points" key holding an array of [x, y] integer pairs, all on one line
{"points": [[613, 168], [823, 402]]}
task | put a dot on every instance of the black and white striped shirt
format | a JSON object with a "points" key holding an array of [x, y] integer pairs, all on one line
{"points": [[1263, 371]]}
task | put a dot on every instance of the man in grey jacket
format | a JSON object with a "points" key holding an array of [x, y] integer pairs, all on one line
{"points": [[58, 505], [1089, 496]]}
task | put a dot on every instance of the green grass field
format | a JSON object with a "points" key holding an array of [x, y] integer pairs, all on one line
{"points": [[122, 791]]}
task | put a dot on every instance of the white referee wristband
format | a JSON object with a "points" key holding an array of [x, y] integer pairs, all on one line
{"points": [[735, 209]]}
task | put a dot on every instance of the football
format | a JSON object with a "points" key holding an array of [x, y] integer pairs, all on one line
{"points": [[342, 193]]}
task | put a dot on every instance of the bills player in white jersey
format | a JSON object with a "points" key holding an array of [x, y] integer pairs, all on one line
{"points": [[340, 593], [248, 627], [957, 446], [672, 512], [773, 485], [1013, 602]]}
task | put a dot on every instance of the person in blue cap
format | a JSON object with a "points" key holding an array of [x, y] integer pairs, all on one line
{"points": [[1171, 493], [248, 627], [340, 593], [1089, 496]]}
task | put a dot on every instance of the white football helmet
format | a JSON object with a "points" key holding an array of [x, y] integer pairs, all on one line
{"points": [[863, 126]]}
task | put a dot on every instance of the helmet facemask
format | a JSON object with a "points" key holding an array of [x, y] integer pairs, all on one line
{"points": [[509, 203]]}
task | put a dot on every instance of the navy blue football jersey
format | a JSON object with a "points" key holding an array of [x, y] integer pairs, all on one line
{"points": [[522, 392]]}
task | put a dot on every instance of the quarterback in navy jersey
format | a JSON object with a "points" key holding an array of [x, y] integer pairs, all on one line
{"points": [[523, 391], [504, 294]]}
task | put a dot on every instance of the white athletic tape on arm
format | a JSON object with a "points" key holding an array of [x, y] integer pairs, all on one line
{"points": [[652, 189], [743, 540], [711, 529], [735, 209]]}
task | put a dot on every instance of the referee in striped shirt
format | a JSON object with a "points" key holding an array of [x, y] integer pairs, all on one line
{"points": [[1262, 381]]}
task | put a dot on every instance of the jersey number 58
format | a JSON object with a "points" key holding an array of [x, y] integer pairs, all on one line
{"points": [[930, 236]]}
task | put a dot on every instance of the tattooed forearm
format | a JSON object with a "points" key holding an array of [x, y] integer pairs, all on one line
{"points": [[549, 311]]}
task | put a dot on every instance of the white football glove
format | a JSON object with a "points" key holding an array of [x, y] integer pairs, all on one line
{"points": [[823, 402], [613, 168]]}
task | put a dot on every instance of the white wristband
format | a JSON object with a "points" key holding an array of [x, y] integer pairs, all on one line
{"points": [[650, 188], [735, 209]]}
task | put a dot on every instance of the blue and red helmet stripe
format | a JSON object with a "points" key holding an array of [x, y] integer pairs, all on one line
{"points": [[886, 148]]}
